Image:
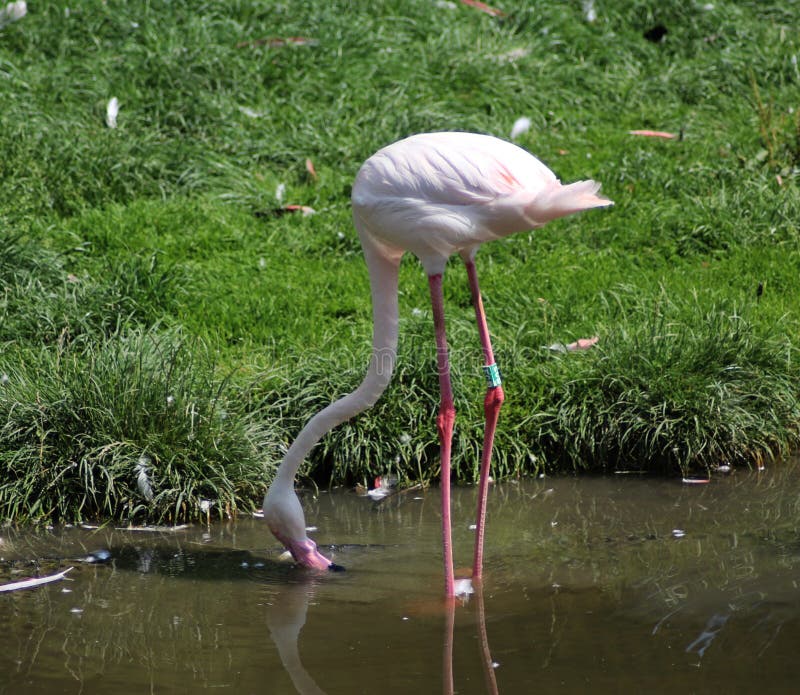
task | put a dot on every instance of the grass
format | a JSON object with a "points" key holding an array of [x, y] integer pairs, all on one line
{"points": [[151, 259], [132, 427]]}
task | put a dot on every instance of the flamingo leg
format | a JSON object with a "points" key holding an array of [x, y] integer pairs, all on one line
{"points": [[491, 408], [444, 424]]}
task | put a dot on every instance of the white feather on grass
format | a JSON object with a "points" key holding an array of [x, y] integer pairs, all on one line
{"points": [[13, 12], [112, 111], [520, 127]]}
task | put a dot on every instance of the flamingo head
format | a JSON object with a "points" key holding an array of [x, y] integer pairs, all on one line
{"points": [[284, 515], [305, 553]]}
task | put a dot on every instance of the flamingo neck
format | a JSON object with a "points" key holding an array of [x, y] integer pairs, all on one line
{"points": [[383, 273]]}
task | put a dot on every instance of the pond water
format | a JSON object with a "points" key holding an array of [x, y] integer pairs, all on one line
{"points": [[618, 584]]}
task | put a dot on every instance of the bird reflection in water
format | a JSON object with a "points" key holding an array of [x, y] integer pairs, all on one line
{"points": [[285, 618], [288, 611]]}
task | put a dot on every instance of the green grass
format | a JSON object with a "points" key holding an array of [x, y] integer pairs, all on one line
{"points": [[133, 427], [148, 259]]}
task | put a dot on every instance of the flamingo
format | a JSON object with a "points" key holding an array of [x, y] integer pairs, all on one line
{"points": [[433, 195]]}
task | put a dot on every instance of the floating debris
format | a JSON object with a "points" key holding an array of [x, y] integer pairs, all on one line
{"points": [[155, 529], [97, 556], [715, 623], [383, 487], [37, 581], [463, 588]]}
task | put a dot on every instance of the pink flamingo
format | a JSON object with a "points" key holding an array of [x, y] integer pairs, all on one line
{"points": [[433, 195]]}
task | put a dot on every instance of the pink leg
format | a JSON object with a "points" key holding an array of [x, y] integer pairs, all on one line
{"points": [[444, 423], [491, 408]]}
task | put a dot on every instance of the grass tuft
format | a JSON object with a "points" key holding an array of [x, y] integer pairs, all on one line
{"points": [[133, 427], [682, 396]]}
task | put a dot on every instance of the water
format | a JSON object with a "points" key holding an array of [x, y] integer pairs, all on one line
{"points": [[615, 584]]}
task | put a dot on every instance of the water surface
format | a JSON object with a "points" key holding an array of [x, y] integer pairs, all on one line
{"points": [[612, 584]]}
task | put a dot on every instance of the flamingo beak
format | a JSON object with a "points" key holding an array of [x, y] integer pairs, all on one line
{"points": [[305, 553]]}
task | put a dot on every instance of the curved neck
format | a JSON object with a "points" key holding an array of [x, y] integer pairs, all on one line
{"points": [[383, 274]]}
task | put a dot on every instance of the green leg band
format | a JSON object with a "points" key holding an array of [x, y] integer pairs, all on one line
{"points": [[492, 375]]}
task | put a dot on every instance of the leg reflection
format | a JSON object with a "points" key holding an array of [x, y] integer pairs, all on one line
{"points": [[487, 663], [486, 656], [447, 657]]}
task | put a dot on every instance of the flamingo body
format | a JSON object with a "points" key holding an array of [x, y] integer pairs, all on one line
{"points": [[437, 194], [432, 195]]}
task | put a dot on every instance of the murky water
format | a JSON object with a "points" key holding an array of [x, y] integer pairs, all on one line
{"points": [[616, 584]]}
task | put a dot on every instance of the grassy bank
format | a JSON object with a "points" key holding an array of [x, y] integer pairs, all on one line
{"points": [[167, 329]]}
